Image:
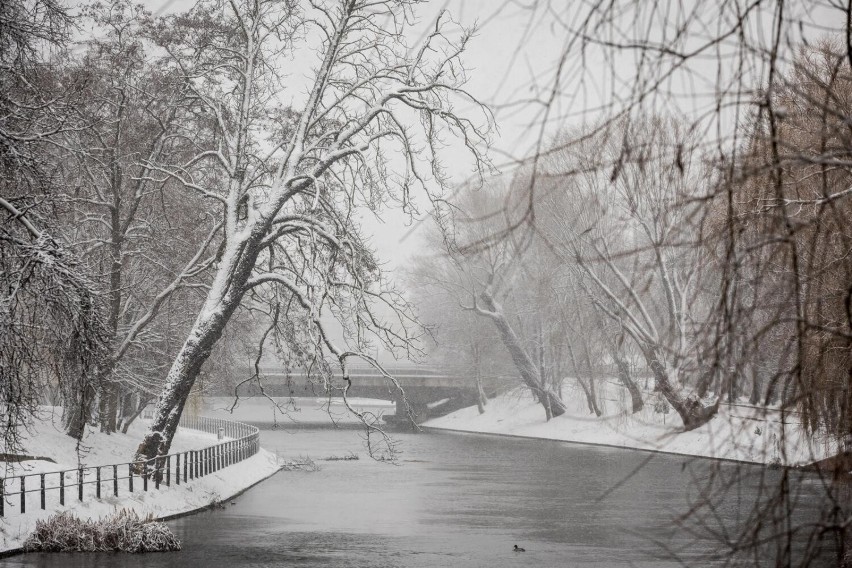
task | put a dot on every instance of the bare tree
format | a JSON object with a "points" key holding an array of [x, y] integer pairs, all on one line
{"points": [[625, 224], [483, 280], [289, 183], [51, 323], [147, 239], [768, 116], [461, 340]]}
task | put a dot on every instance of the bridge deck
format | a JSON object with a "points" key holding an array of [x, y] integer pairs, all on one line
{"points": [[365, 377]]}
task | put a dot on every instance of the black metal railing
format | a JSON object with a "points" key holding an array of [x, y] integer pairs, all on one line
{"points": [[241, 441]]}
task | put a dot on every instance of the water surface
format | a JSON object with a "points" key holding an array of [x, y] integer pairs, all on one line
{"points": [[453, 500]]}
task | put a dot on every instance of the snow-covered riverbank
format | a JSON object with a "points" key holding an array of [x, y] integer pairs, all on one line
{"points": [[739, 432], [47, 440]]}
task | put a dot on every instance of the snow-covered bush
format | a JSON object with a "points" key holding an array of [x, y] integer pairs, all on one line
{"points": [[124, 531]]}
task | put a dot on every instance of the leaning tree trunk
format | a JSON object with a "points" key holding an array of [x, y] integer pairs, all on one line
{"points": [[689, 408], [196, 349], [130, 416], [628, 382], [224, 297], [591, 402], [552, 403]]}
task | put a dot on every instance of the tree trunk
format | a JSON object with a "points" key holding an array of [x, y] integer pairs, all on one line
{"points": [[481, 399], [127, 420], [552, 403], [224, 297], [78, 412], [628, 382], [590, 392], [689, 408], [108, 407], [196, 349], [756, 386], [591, 403]]}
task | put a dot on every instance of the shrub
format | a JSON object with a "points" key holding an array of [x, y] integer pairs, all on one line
{"points": [[123, 531]]}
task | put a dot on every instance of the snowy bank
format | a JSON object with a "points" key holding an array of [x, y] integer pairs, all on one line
{"points": [[291, 411], [739, 432], [47, 440]]}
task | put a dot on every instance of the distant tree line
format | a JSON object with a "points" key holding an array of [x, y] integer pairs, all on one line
{"points": [[687, 217]]}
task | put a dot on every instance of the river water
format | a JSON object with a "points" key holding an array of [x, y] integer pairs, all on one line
{"points": [[453, 500]]}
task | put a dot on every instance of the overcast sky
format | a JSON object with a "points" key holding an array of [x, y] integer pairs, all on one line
{"points": [[512, 60], [500, 71]]}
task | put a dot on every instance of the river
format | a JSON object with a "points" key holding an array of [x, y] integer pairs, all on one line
{"points": [[453, 500]]}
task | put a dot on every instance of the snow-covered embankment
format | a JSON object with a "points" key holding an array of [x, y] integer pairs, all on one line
{"points": [[47, 440], [739, 432]]}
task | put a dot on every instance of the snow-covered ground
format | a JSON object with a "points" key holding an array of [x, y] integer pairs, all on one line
{"points": [[739, 432], [293, 410], [47, 440]]}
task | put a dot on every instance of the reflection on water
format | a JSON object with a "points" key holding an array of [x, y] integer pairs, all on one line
{"points": [[454, 500]]}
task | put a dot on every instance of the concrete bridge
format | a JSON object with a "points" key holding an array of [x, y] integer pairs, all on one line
{"points": [[430, 391]]}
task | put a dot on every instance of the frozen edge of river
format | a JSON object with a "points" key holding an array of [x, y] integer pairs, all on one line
{"points": [[166, 504]]}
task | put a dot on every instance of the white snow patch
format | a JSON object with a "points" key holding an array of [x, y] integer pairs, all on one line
{"points": [[299, 410], [739, 432]]}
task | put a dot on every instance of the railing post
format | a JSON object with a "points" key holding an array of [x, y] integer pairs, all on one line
{"points": [[177, 469], [80, 484], [2, 496], [169, 471], [42, 492], [23, 495], [115, 480], [98, 481], [158, 472], [62, 488], [130, 476], [145, 475]]}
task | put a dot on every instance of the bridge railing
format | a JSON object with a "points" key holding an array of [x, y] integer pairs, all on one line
{"points": [[53, 488]]}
